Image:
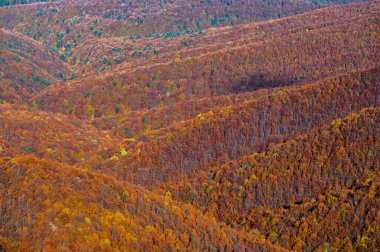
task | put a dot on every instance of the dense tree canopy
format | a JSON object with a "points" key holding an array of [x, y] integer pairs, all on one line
{"points": [[183, 125]]}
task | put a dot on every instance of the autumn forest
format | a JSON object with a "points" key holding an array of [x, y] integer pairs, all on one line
{"points": [[189, 125]]}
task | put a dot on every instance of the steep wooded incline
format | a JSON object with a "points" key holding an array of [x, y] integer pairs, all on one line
{"points": [[293, 186]]}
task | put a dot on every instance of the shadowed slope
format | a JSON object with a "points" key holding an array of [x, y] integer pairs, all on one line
{"points": [[238, 130]]}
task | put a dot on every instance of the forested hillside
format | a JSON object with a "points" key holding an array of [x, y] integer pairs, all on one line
{"points": [[236, 62], [305, 183], [183, 125], [26, 68]]}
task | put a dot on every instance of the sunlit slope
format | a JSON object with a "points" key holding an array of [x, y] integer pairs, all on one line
{"points": [[51, 136], [48, 206]]}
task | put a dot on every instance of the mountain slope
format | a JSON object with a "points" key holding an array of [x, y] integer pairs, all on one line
{"points": [[185, 125], [238, 130], [348, 40], [282, 192], [61, 208], [26, 68], [62, 138]]}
